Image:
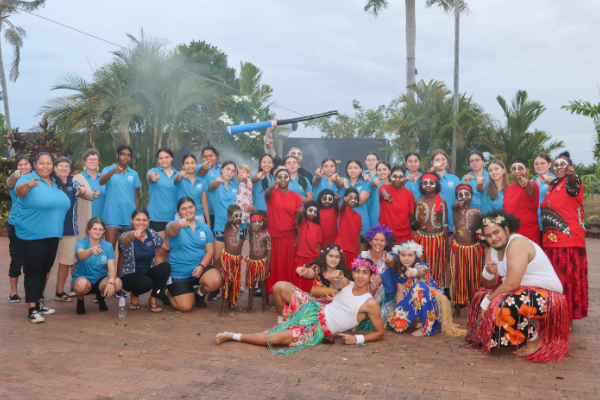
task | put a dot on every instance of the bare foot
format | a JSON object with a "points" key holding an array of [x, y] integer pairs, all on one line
{"points": [[222, 314], [224, 336], [266, 308], [247, 309], [529, 348], [457, 310], [419, 333]]}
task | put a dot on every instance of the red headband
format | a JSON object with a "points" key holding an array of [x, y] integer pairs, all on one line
{"points": [[257, 218], [429, 175], [438, 198], [465, 186]]}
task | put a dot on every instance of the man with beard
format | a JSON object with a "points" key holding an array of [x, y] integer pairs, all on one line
{"points": [[519, 287]]}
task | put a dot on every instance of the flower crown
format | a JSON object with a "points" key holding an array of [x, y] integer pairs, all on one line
{"points": [[410, 245], [379, 228], [360, 262], [500, 220]]}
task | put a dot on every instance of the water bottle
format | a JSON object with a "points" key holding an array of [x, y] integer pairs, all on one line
{"points": [[122, 310]]}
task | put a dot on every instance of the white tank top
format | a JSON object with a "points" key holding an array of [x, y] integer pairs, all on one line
{"points": [[539, 272], [340, 314]]}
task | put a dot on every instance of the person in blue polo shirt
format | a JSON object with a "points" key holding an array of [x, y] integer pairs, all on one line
{"points": [[477, 175], [326, 177], [412, 162], [261, 181], [39, 227], [189, 184], [91, 178], [210, 170], [96, 272], [22, 166], [298, 183], [122, 195], [192, 249], [448, 182]]}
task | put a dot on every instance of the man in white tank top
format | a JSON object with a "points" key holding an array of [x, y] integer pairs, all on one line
{"points": [[519, 287], [308, 322]]}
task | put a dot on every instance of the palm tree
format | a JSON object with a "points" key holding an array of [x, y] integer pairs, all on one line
{"points": [[14, 36], [588, 109]]}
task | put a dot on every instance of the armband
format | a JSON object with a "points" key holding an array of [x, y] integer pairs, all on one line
{"points": [[360, 339], [485, 274], [485, 303]]}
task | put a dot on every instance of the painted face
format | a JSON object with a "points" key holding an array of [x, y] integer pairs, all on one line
{"points": [[91, 162], [329, 168], [327, 201], [518, 169], [496, 236], [187, 210], [283, 180], [476, 162], [333, 258], [496, 171], [413, 164], [463, 194], [228, 171], [297, 153], [291, 164], [312, 212], [266, 164], [397, 179], [210, 156], [124, 157], [24, 166], [140, 222], [428, 186], [378, 242], [407, 257], [164, 160], [353, 170], [237, 217], [44, 166], [256, 226], [96, 231], [62, 170], [189, 165], [560, 166], [371, 161], [541, 166], [352, 200]]}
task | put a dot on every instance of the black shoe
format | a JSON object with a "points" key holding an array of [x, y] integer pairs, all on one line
{"points": [[80, 306], [14, 298], [200, 303], [257, 292], [213, 295], [120, 293], [101, 302], [163, 297], [36, 317], [447, 293]]}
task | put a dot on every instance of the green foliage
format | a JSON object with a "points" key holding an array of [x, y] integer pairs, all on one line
{"points": [[588, 109], [213, 60], [5, 200], [365, 123]]}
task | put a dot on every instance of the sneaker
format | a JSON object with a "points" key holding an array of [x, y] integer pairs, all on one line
{"points": [[257, 292], [214, 295], [14, 298], [46, 310], [120, 293], [36, 317], [72, 293], [200, 303]]}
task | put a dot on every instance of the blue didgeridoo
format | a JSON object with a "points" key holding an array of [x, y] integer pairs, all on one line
{"points": [[267, 124]]}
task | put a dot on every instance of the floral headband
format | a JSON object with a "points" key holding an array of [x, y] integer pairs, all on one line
{"points": [[333, 248], [379, 228], [500, 220], [360, 262], [410, 245]]}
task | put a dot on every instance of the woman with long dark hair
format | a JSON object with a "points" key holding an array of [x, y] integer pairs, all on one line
{"points": [[262, 180], [493, 196], [298, 183], [326, 177], [319, 272], [189, 184], [354, 179]]}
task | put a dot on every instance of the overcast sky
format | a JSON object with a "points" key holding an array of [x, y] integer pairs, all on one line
{"points": [[320, 55]]}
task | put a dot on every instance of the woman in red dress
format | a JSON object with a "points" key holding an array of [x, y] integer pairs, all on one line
{"points": [[309, 241], [522, 200], [563, 237], [282, 211]]}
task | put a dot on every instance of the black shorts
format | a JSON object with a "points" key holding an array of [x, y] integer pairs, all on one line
{"points": [[179, 286], [220, 236], [96, 286], [158, 226]]}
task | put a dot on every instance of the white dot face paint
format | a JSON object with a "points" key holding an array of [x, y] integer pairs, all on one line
{"points": [[327, 198], [558, 164], [237, 215], [518, 168], [429, 182], [463, 194], [295, 153], [397, 176], [312, 211], [283, 176]]}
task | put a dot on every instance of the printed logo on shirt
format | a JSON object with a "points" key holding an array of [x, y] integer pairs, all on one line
{"points": [[199, 186], [202, 235], [233, 190], [103, 258], [70, 188], [149, 243], [359, 188], [130, 178], [450, 184]]}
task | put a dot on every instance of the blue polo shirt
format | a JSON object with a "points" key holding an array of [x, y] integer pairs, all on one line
{"points": [[258, 193], [97, 203], [212, 174], [93, 268], [294, 186], [120, 196], [488, 205], [223, 198], [185, 188], [449, 183], [360, 186], [477, 197], [374, 204], [543, 189], [162, 204], [188, 249], [14, 207], [42, 212], [415, 187], [324, 184]]}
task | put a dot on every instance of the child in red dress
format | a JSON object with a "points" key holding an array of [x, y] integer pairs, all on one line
{"points": [[309, 239], [348, 237], [328, 216]]}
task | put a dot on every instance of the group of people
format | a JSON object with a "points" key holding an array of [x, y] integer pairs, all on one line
{"points": [[381, 246]]}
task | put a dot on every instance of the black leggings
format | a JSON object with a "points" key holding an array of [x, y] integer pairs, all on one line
{"points": [[14, 249], [155, 279], [38, 258]]}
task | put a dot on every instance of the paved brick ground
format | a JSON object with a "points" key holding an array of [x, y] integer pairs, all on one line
{"points": [[172, 355]]}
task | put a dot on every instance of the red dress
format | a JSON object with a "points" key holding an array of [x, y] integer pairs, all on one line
{"points": [[563, 241], [281, 216], [524, 207], [396, 215], [329, 225], [347, 237], [309, 238]]}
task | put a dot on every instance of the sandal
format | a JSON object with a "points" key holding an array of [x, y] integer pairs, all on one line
{"points": [[155, 309], [63, 297], [134, 306]]}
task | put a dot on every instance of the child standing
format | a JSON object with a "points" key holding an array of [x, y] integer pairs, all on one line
{"points": [[231, 259], [328, 216], [348, 237], [258, 263], [244, 193], [309, 240]]}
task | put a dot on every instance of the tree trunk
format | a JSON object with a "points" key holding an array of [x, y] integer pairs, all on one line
{"points": [[456, 90], [411, 38], [5, 95]]}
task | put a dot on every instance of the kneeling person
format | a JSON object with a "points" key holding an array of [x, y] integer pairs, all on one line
{"points": [[503, 314], [308, 322], [96, 271]]}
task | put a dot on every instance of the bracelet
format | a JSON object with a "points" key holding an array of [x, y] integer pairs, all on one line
{"points": [[110, 283], [486, 275], [485, 303], [360, 339]]}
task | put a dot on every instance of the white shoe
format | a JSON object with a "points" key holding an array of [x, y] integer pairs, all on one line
{"points": [[36, 317]]}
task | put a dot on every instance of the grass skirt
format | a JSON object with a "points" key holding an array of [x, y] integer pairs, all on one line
{"points": [[232, 272], [434, 254], [466, 272]]}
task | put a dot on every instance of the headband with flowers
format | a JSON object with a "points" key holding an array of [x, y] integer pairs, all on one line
{"points": [[500, 220], [409, 245], [379, 228], [360, 262]]}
